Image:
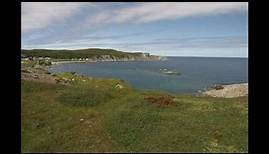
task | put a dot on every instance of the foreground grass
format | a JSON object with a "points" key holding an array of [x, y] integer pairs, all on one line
{"points": [[95, 116]]}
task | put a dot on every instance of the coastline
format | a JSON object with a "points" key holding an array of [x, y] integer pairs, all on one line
{"points": [[228, 91], [94, 61], [222, 91]]}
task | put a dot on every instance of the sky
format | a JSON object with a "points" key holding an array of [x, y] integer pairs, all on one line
{"points": [[207, 29]]}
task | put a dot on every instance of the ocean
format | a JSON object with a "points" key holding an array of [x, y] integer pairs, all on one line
{"points": [[197, 73]]}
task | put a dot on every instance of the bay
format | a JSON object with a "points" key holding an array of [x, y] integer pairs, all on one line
{"points": [[197, 73]]}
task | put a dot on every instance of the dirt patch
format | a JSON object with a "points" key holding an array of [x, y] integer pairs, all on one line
{"points": [[41, 76], [161, 100]]}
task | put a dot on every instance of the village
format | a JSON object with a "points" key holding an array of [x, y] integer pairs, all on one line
{"points": [[99, 58]]}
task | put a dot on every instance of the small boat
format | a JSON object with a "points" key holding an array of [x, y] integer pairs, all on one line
{"points": [[172, 73]]}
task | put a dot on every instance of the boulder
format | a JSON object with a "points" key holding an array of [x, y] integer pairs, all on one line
{"points": [[119, 86]]}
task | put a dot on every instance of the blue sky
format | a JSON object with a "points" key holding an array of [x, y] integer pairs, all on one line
{"points": [[169, 29]]}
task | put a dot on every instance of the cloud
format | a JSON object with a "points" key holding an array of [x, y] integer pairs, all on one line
{"points": [[202, 42], [195, 42], [37, 15], [155, 44], [125, 35], [149, 12]]}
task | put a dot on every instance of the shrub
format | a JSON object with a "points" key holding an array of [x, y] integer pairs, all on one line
{"points": [[73, 73], [44, 62], [161, 100]]}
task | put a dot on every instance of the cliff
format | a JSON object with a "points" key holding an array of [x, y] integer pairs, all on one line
{"points": [[91, 55]]}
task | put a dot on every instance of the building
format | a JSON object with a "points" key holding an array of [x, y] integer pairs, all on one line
{"points": [[146, 54]]}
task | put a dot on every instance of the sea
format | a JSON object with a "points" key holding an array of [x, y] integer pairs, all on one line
{"points": [[196, 73]]}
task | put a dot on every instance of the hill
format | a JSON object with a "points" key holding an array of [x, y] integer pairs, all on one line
{"points": [[72, 113], [91, 53]]}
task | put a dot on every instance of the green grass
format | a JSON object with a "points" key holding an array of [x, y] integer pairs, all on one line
{"points": [[84, 97], [94, 116]]}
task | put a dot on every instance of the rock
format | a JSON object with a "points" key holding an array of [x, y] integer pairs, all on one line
{"points": [[35, 76], [218, 87], [57, 80], [229, 91], [65, 80], [26, 71], [119, 86]]}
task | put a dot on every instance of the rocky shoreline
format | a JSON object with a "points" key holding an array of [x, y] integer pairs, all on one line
{"points": [[41, 73], [228, 91], [108, 60]]}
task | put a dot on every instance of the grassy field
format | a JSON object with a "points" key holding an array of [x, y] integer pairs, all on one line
{"points": [[94, 115]]}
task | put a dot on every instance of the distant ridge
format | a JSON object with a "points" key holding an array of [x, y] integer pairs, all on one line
{"points": [[90, 53]]}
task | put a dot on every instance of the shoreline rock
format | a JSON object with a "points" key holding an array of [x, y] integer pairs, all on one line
{"points": [[229, 91]]}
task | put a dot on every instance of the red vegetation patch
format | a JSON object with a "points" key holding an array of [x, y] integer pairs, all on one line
{"points": [[161, 100]]}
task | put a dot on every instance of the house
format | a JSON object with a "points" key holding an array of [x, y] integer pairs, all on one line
{"points": [[146, 54]]}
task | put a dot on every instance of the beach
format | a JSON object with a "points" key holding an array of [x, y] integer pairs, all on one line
{"points": [[229, 91]]}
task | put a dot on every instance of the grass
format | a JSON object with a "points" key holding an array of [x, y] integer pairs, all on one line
{"points": [[84, 97], [211, 126], [95, 116]]}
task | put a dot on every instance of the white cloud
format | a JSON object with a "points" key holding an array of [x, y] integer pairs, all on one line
{"points": [[148, 12], [168, 44], [36, 15]]}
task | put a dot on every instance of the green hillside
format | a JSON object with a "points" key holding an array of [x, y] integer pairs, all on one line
{"points": [[82, 53], [97, 115]]}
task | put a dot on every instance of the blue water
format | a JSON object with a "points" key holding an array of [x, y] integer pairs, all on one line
{"points": [[197, 73]]}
